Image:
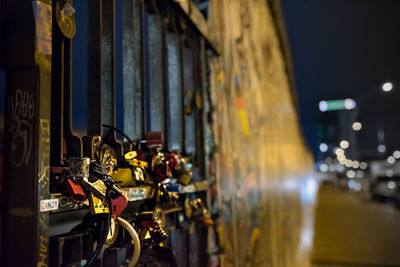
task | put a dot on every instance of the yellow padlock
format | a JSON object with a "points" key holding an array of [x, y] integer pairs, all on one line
{"points": [[97, 205], [123, 177], [138, 163], [130, 155]]}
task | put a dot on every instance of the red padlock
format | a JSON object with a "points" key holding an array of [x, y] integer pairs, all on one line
{"points": [[172, 160], [75, 190], [118, 205]]}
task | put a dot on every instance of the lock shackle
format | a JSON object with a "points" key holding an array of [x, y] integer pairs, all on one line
{"points": [[135, 239]]}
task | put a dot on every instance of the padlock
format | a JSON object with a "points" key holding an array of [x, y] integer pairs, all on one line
{"points": [[172, 160], [146, 219], [133, 160], [183, 172], [118, 205], [123, 177], [98, 205], [160, 168], [65, 18], [75, 190]]}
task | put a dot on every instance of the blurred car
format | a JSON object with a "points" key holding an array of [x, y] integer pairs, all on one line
{"points": [[384, 188], [384, 180]]}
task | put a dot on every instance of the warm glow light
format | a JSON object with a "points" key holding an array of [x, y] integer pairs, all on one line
{"points": [[341, 157], [344, 144], [356, 164], [396, 154], [323, 147], [339, 152], [387, 87], [357, 126], [348, 163]]}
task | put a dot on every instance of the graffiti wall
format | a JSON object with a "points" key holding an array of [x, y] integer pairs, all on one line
{"points": [[262, 163]]}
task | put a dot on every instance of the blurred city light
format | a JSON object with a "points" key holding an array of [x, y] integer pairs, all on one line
{"points": [[391, 185], [396, 154], [344, 144], [348, 163], [357, 126], [332, 168], [389, 173], [381, 148], [340, 168], [359, 174], [363, 165], [351, 174], [323, 167], [323, 147], [349, 103], [387, 87], [391, 160], [339, 151], [340, 104], [356, 164], [323, 106]]}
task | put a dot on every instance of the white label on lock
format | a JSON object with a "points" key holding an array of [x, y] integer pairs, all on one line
{"points": [[49, 204], [136, 194]]}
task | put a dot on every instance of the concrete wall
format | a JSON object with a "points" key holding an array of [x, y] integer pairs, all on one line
{"points": [[262, 163]]}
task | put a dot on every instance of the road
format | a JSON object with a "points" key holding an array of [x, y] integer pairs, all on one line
{"points": [[350, 231]]}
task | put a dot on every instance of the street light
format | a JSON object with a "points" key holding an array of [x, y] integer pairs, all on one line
{"points": [[386, 87], [344, 144], [357, 126]]}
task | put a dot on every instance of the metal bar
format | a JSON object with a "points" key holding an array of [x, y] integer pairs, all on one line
{"points": [[73, 142], [94, 67], [198, 110], [195, 17], [188, 83], [108, 65], [132, 96], [57, 100], [174, 105], [27, 138], [109, 72], [182, 81], [154, 76], [165, 80], [145, 60]]}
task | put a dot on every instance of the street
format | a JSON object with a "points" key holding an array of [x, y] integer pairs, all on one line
{"points": [[350, 231]]}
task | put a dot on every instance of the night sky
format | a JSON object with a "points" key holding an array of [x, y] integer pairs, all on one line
{"points": [[342, 49]]}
